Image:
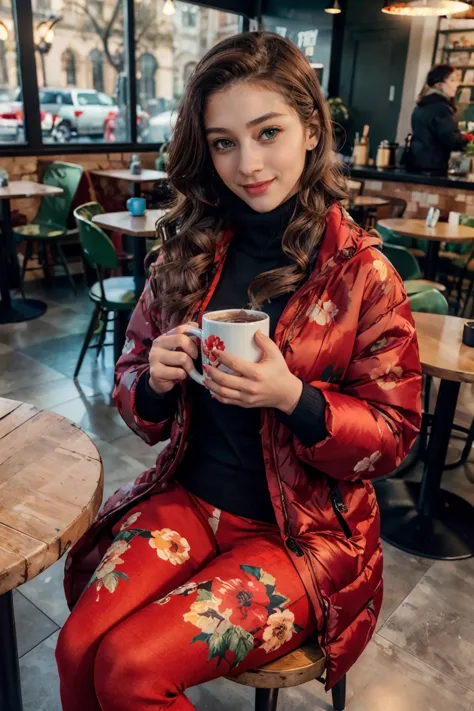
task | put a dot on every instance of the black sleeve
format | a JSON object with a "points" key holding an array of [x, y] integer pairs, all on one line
{"points": [[447, 131], [308, 419], [151, 406]]}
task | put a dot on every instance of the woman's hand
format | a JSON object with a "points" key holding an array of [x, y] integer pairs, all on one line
{"points": [[267, 383], [168, 365]]}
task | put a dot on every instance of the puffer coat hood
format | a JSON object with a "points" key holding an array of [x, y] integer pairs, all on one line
{"points": [[348, 331]]}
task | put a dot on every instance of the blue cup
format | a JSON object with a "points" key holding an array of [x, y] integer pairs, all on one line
{"points": [[136, 206]]}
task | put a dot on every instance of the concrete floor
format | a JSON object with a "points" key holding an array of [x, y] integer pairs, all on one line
{"points": [[422, 656]]}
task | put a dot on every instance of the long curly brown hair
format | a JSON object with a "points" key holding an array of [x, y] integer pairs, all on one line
{"points": [[191, 230]]}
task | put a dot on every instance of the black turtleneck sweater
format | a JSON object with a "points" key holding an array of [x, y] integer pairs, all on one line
{"points": [[223, 464]]}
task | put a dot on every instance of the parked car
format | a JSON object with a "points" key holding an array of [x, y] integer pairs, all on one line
{"points": [[11, 117], [80, 112], [161, 127]]}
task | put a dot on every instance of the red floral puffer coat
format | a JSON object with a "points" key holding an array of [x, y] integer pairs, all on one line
{"points": [[348, 331]]}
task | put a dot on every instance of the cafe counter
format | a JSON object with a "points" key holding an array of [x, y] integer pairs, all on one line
{"points": [[450, 193]]}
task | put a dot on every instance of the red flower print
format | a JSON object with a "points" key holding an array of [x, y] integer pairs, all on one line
{"points": [[210, 343], [246, 598]]}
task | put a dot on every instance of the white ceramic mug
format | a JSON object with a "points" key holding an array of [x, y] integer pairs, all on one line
{"points": [[237, 339], [453, 218]]}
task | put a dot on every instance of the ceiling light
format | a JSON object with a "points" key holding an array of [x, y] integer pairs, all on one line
{"points": [[333, 8], [426, 8], [169, 8]]}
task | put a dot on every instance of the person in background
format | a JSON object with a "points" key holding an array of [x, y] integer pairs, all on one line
{"points": [[435, 130]]}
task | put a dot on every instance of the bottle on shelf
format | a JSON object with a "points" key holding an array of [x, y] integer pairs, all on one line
{"points": [[135, 165], [382, 159], [365, 141], [360, 154]]}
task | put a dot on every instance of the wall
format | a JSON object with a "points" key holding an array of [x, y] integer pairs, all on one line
{"points": [[420, 198], [298, 17], [420, 55]]}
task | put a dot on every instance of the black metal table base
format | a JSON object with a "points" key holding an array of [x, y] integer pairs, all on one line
{"points": [[424, 519], [10, 690], [431, 260], [22, 310], [447, 533]]}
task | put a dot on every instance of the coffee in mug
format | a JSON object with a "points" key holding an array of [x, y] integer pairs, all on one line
{"points": [[232, 331]]}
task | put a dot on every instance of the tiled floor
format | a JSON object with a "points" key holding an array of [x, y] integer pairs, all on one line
{"points": [[422, 657]]}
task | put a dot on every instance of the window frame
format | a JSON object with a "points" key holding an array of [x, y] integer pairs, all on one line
{"points": [[23, 15]]}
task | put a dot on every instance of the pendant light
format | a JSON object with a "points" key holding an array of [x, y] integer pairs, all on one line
{"points": [[333, 8], [426, 8], [169, 8]]}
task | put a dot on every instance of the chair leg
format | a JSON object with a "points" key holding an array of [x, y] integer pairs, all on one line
{"points": [[120, 329], [103, 333], [62, 259], [87, 339], [339, 695], [266, 699]]}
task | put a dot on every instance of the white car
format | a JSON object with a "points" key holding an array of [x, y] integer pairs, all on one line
{"points": [[161, 127]]}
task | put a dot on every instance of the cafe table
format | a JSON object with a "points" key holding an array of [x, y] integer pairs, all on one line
{"points": [[146, 176], [367, 201], [17, 310], [141, 227], [442, 232], [51, 482], [422, 518]]}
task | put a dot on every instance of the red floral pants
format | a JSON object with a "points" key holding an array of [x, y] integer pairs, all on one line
{"points": [[186, 593]]}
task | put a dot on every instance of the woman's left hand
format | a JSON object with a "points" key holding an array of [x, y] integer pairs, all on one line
{"points": [[267, 383]]}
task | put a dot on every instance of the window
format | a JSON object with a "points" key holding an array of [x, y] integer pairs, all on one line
{"points": [[176, 43], [97, 63], [69, 67], [82, 56], [11, 105]]}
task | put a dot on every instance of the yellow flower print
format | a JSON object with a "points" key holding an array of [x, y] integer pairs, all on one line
{"points": [[170, 546], [387, 377], [130, 520], [381, 269], [323, 313], [206, 616], [279, 629]]}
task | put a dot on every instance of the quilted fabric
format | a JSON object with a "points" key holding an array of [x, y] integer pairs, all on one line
{"points": [[348, 331]]}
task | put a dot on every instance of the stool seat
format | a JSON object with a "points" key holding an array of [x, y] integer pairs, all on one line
{"points": [[416, 286], [304, 664]]}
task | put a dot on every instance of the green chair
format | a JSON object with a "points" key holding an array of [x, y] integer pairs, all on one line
{"points": [[49, 227], [403, 261], [115, 295], [417, 248], [457, 264], [430, 302]]}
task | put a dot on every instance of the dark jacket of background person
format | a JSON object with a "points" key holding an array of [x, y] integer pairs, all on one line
{"points": [[435, 134]]}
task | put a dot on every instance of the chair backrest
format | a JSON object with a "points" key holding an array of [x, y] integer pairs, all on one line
{"points": [[55, 210], [464, 249], [98, 248], [430, 302], [403, 261]]}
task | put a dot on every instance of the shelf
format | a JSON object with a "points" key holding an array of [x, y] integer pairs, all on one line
{"points": [[460, 49], [455, 32]]}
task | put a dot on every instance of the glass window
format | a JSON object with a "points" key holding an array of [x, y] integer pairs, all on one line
{"points": [[176, 42], [81, 61], [11, 105]]}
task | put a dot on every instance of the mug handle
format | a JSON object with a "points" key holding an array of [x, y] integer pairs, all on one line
{"points": [[194, 374]]}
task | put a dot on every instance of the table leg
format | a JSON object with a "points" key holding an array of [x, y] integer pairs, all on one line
{"points": [[431, 260], [10, 690], [139, 251], [13, 310], [421, 518]]}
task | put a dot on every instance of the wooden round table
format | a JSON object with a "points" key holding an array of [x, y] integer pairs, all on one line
{"points": [[443, 232], [51, 482], [16, 310], [136, 226], [422, 518], [146, 176], [368, 201]]}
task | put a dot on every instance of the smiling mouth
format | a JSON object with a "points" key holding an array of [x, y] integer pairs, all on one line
{"points": [[258, 188]]}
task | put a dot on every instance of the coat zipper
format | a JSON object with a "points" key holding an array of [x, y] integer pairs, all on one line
{"points": [[339, 507]]}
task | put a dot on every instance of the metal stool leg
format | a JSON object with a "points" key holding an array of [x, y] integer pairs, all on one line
{"points": [[339, 695], [266, 699]]}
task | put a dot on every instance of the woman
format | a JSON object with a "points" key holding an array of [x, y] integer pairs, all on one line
{"points": [[259, 526], [435, 131]]}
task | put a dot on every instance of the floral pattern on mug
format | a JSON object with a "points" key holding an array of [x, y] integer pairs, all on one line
{"points": [[208, 344], [237, 615]]}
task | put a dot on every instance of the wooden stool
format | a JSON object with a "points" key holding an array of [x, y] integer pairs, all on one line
{"points": [[304, 664]]}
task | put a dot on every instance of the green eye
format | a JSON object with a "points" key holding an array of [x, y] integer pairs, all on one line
{"points": [[268, 134], [223, 144]]}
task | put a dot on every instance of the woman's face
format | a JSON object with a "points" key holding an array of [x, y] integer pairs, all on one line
{"points": [[257, 143], [450, 85]]}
